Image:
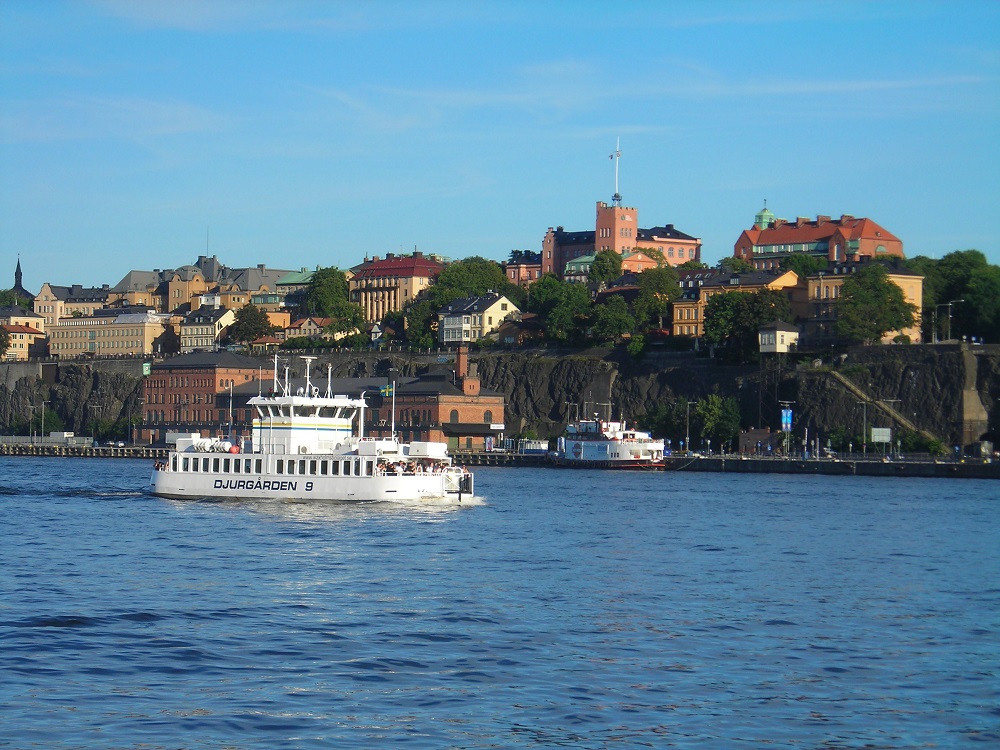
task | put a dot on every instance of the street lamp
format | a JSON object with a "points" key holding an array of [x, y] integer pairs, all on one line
{"points": [[41, 427], [687, 427], [938, 307], [31, 423]]}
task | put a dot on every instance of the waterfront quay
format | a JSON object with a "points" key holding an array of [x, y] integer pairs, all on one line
{"points": [[855, 466]]}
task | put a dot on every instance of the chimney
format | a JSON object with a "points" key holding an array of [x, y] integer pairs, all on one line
{"points": [[462, 361], [418, 253], [470, 383], [821, 220]]}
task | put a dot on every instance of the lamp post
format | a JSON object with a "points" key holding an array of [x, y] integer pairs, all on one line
{"points": [[938, 307], [31, 423], [687, 426], [892, 421], [864, 428], [949, 315]]}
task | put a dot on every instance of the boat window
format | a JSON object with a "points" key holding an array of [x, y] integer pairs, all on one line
{"points": [[195, 465], [323, 466], [246, 465], [357, 468], [225, 466], [312, 467], [279, 467], [175, 462], [257, 466], [369, 468], [335, 468], [204, 464], [237, 466], [302, 466], [215, 465], [185, 464]]}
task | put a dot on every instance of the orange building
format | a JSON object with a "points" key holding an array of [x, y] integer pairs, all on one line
{"points": [[770, 239]]}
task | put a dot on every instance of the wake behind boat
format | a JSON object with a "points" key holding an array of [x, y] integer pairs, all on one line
{"points": [[305, 446]]}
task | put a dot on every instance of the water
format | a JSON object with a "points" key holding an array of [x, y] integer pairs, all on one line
{"points": [[578, 609]]}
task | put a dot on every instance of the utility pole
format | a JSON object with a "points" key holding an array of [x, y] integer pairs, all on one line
{"points": [[687, 428], [864, 428]]}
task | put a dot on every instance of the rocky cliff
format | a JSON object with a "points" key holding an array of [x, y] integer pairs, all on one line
{"points": [[949, 391]]}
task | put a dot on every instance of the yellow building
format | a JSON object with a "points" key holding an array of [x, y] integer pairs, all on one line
{"points": [[383, 286], [689, 310], [107, 335], [824, 291], [55, 302]]}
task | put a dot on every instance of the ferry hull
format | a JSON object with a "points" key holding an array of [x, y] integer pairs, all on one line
{"points": [[188, 486]]}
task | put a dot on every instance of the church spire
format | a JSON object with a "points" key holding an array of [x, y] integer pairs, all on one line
{"points": [[17, 274]]}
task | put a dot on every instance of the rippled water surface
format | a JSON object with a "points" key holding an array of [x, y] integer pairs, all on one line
{"points": [[578, 609]]}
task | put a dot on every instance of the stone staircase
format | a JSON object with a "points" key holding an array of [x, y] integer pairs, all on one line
{"points": [[886, 408]]}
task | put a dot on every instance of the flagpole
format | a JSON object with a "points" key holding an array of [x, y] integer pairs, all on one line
{"points": [[393, 434]]}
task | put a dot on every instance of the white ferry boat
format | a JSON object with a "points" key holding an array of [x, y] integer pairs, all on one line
{"points": [[596, 443], [305, 446]]}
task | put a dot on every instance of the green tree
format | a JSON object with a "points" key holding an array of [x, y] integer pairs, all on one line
{"points": [[327, 294], [803, 264], [982, 305], [732, 264], [612, 319], [8, 298], [607, 266], [720, 419], [251, 324], [693, 265], [871, 305], [471, 277], [4, 341], [734, 319], [567, 318], [658, 288]]}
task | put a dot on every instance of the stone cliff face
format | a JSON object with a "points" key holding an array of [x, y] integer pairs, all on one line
{"points": [[940, 389]]}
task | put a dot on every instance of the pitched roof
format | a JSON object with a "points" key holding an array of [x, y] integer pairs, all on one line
{"points": [[77, 293], [822, 228], [398, 265], [667, 232], [228, 360], [467, 305], [20, 328], [16, 311]]}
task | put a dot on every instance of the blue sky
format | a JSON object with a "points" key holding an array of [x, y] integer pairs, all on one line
{"points": [[295, 134]]}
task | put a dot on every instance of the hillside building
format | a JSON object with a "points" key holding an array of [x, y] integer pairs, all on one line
{"points": [[847, 239], [616, 228], [473, 318], [382, 286]]}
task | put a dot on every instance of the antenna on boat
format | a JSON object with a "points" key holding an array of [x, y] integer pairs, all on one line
{"points": [[308, 361], [274, 378], [329, 380]]}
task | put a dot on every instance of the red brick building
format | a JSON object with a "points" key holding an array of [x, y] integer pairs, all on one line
{"points": [[190, 393], [443, 406], [617, 228]]}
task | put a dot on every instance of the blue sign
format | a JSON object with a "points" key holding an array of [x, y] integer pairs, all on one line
{"points": [[786, 420]]}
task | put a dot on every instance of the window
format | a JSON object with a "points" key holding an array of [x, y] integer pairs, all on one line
{"points": [[453, 418], [488, 417]]}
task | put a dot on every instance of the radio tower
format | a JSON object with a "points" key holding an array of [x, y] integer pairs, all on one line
{"points": [[616, 199]]}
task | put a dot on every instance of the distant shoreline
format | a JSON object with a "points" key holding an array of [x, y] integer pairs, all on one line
{"points": [[876, 467]]}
